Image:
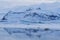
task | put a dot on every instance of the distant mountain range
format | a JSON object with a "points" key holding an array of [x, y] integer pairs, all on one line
{"points": [[45, 12]]}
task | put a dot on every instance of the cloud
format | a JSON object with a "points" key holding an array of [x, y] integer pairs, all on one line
{"points": [[12, 3], [25, 2], [5, 4]]}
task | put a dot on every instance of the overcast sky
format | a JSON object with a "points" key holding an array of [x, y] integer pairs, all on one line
{"points": [[24, 2], [4, 4]]}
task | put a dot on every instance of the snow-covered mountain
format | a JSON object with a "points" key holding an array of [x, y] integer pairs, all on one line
{"points": [[43, 13]]}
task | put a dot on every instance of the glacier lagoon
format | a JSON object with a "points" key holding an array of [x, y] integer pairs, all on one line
{"points": [[37, 22]]}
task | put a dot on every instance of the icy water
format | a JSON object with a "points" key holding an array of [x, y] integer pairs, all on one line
{"points": [[29, 34], [37, 22]]}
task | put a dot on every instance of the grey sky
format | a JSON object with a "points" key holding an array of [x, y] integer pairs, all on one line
{"points": [[4, 4], [26, 2]]}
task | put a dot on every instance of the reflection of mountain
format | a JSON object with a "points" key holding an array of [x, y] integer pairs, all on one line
{"points": [[34, 14]]}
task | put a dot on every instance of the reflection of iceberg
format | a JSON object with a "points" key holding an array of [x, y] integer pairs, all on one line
{"points": [[35, 33], [29, 34]]}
